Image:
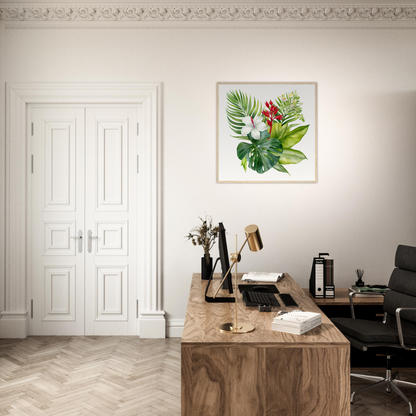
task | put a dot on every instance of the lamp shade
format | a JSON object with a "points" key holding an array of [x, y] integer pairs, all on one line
{"points": [[254, 237]]}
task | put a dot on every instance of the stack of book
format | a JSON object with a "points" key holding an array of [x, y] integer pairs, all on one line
{"points": [[296, 322], [368, 291]]}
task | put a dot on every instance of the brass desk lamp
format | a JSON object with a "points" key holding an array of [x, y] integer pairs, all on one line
{"points": [[255, 244]]}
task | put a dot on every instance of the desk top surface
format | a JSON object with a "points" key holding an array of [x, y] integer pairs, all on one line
{"points": [[203, 318], [342, 299]]}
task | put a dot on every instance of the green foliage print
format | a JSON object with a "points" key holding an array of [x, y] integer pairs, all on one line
{"points": [[268, 131]]}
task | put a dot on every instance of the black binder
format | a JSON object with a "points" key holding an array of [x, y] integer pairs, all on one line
{"points": [[321, 282]]}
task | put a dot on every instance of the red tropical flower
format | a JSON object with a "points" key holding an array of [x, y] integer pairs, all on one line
{"points": [[271, 114]]}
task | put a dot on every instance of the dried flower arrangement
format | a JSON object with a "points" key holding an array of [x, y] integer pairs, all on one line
{"points": [[204, 235]]}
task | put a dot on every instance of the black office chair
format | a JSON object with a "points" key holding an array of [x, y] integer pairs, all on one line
{"points": [[398, 329]]}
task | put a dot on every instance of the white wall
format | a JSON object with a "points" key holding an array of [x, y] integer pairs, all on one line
{"points": [[364, 202]]}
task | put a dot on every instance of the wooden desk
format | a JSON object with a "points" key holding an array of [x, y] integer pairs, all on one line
{"points": [[265, 372]]}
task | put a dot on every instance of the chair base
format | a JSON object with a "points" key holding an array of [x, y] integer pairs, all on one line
{"points": [[390, 381]]}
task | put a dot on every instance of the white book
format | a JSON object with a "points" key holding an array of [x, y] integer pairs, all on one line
{"points": [[296, 324], [296, 318], [262, 277], [296, 330]]}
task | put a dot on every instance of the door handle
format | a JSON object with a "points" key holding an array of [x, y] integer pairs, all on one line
{"points": [[90, 237], [79, 238]]}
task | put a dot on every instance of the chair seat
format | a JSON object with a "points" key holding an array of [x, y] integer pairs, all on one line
{"points": [[372, 331]]}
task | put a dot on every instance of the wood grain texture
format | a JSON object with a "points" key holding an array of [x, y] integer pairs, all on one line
{"points": [[202, 318], [342, 299], [325, 388], [281, 391], [263, 373]]}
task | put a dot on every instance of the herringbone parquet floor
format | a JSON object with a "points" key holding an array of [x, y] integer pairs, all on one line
{"points": [[120, 376], [91, 376]]}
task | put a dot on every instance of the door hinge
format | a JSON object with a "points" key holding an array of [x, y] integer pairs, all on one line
{"points": [[32, 129], [137, 308], [137, 128], [31, 308], [138, 164], [32, 164]]}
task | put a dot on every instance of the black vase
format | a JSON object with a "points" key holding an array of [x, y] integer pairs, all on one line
{"points": [[206, 268]]}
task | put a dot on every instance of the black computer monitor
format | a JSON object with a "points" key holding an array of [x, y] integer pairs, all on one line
{"points": [[224, 259], [225, 265]]}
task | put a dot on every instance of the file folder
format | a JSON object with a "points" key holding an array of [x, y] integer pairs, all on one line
{"points": [[321, 282]]}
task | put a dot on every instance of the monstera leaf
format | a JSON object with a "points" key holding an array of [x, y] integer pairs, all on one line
{"points": [[260, 155]]}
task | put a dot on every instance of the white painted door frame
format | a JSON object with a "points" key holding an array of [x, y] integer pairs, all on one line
{"points": [[16, 313]]}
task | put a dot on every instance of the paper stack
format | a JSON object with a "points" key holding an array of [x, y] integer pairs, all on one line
{"points": [[296, 322], [262, 277], [366, 291]]}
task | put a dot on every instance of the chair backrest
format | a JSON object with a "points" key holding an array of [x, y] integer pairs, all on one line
{"points": [[402, 285]]}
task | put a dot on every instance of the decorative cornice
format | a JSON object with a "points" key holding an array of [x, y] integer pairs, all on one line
{"points": [[292, 13]]}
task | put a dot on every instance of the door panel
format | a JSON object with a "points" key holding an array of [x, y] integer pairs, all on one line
{"points": [[57, 203], [112, 165], [111, 216]]}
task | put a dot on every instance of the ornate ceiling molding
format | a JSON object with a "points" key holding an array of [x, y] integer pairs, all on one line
{"points": [[292, 13]]}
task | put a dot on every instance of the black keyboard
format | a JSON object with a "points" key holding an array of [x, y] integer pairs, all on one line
{"points": [[258, 298]]}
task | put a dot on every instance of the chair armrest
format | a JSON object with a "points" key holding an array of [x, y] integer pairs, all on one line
{"points": [[352, 294], [399, 327]]}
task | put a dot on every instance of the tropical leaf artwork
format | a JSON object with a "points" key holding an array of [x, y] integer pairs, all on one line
{"points": [[268, 132]]}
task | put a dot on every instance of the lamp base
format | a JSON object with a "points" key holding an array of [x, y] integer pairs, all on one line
{"points": [[243, 328]]}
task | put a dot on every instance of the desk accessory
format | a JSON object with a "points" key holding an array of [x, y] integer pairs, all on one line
{"points": [[265, 308], [204, 235], [262, 277], [360, 274], [255, 244], [256, 299], [321, 282], [367, 291], [259, 288], [287, 299]]}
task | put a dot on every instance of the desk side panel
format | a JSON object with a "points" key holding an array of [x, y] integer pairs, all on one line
{"points": [[284, 381], [325, 381], [223, 381], [270, 381]]}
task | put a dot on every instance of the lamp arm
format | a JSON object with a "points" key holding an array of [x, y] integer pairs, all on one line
{"points": [[232, 265]]}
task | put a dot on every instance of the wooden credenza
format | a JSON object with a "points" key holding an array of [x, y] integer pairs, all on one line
{"points": [[265, 372]]}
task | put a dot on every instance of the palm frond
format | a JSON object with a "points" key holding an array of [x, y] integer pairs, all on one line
{"points": [[240, 105]]}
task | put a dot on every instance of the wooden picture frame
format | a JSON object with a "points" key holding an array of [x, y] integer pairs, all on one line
{"points": [[267, 132]]}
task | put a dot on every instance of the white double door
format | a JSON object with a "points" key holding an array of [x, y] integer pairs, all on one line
{"points": [[83, 220]]}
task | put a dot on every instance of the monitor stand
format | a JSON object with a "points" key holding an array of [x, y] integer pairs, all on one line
{"points": [[217, 299]]}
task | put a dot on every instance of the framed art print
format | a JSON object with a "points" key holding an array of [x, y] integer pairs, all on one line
{"points": [[267, 132]]}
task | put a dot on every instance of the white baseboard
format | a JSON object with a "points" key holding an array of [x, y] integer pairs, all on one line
{"points": [[175, 328], [152, 324], [14, 324]]}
